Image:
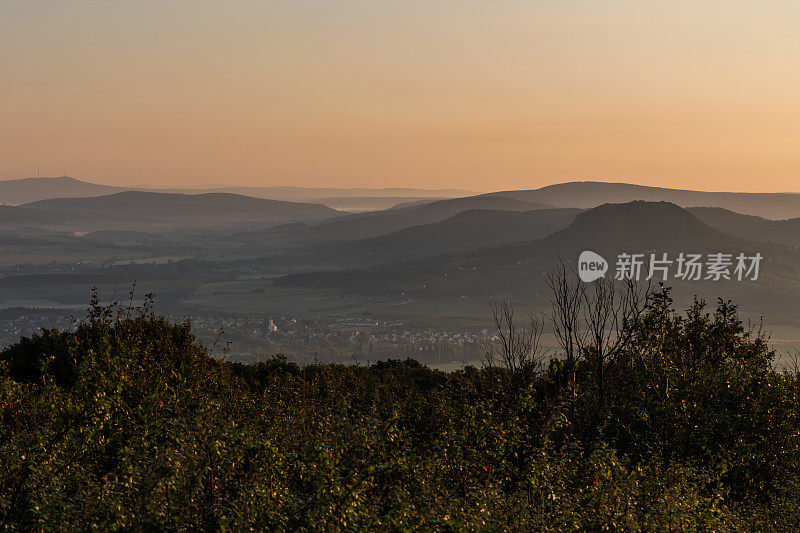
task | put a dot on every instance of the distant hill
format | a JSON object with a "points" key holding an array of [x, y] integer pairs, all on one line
{"points": [[518, 270], [639, 225], [357, 204], [317, 193], [635, 226], [749, 226], [372, 224], [125, 238], [414, 203], [25, 190], [377, 223], [465, 231], [468, 230], [582, 194], [136, 210], [588, 194], [16, 218]]}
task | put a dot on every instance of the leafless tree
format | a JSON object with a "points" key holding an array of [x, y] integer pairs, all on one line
{"points": [[517, 348], [595, 321], [566, 302], [611, 312]]}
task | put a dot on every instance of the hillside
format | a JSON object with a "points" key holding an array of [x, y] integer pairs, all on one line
{"points": [[372, 224], [146, 209], [126, 238], [356, 204], [315, 194], [25, 190], [518, 270], [468, 230], [588, 194], [23, 219], [750, 227]]}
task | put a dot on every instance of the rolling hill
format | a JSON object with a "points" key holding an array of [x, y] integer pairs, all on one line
{"points": [[588, 194], [465, 231], [136, 210], [25, 190], [468, 230], [519, 270], [357, 204], [749, 226], [373, 224], [25, 220]]}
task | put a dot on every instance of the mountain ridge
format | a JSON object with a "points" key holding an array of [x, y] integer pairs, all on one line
{"points": [[142, 210], [17, 191], [519, 270], [589, 194]]}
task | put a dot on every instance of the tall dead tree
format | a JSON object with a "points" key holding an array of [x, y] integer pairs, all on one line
{"points": [[594, 321], [566, 301], [612, 311], [517, 347]]}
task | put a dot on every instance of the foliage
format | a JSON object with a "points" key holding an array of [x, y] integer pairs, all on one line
{"points": [[128, 423]]}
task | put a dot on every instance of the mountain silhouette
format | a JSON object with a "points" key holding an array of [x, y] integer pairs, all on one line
{"points": [[588, 194], [519, 270], [146, 210], [749, 226], [25, 190], [373, 224]]}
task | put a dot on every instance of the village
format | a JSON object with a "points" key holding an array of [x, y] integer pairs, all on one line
{"points": [[250, 338]]}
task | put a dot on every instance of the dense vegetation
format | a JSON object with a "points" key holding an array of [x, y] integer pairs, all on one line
{"points": [[128, 423]]}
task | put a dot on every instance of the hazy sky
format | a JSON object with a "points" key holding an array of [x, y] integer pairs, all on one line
{"points": [[480, 95]]}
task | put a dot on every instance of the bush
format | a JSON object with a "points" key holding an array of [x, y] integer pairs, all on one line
{"points": [[128, 423]]}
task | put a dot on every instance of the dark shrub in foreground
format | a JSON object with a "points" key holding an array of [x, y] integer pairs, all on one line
{"points": [[127, 423]]}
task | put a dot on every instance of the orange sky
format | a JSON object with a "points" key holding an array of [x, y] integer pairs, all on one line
{"points": [[472, 94]]}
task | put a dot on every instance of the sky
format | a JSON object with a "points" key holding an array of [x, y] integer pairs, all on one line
{"points": [[480, 95]]}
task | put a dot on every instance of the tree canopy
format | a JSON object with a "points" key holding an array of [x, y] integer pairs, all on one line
{"points": [[127, 422]]}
